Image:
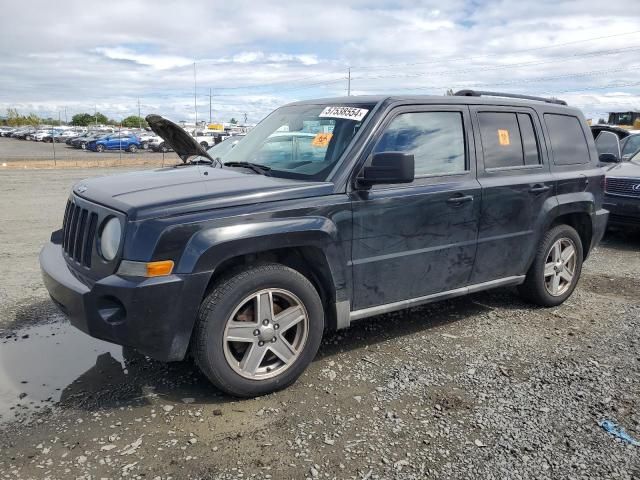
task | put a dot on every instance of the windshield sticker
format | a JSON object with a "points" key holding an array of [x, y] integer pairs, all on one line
{"points": [[503, 137], [348, 113], [321, 139]]}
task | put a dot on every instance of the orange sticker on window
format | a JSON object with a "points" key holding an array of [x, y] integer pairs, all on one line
{"points": [[503, 137], [321, 139]]}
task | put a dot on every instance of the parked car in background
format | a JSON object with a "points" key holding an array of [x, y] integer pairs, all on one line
{"points": [[82, 140], [159, 145], [146, 138], [618, 154], [629, 146], [122, 141], [205, 138], [23, 133]]}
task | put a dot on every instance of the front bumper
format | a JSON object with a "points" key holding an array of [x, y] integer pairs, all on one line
{"points": [[625, 211], [153, 315]]}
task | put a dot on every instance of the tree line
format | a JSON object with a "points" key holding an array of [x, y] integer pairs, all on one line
{"points": [[15, 119]]}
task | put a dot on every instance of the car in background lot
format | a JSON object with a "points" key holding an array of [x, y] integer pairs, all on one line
{"points": [[629, 146], [159, 145], [621, 159], [23, 133], [122, 141]]}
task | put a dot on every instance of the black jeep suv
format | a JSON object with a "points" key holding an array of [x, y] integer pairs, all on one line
{"points": [[327, 212]]}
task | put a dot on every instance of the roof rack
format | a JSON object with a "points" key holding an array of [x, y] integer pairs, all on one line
{"points": [[481, 93]]}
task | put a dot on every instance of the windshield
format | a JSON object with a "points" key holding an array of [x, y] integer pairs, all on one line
{"points": [[221, 149], [301, 141]]}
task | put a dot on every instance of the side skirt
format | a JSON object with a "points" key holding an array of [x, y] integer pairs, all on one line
{"points": [[344, 322]]}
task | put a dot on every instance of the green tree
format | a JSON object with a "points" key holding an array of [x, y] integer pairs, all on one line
{"points": [[133, 121], [233, 121], [15, 119], [85, 119]]}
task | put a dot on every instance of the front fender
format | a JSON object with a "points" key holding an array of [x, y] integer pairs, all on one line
{"points": [[208, 248]]}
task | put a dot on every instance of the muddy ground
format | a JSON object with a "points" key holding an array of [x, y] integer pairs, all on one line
{"points": [[484, 386]]}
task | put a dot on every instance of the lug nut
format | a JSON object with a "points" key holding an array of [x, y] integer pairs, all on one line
{"points": [[265, 321], [256, 332], [276, 326], [273, 340], [260, 343]]}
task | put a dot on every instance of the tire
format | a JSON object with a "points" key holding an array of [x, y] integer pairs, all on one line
{"points": [[145, 146], [163, 148], [553, 288], [204, 144], [231, 298], [132, 148], [83, 145], [99, 148]]}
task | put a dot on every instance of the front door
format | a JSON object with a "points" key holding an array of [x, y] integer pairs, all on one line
{"points": [[417, 239], [517, 190]]}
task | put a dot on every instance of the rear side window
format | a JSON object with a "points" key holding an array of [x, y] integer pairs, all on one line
{"points": [[508, 140], [567, 138]]}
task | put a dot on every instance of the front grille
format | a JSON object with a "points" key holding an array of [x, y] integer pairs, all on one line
{"points": [[78, 233], [628, 187]]}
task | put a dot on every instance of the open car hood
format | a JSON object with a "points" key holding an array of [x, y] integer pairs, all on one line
{"points": [[177, 138]]}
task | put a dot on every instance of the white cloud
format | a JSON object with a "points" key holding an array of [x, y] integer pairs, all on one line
{"points": [[100, 53]]}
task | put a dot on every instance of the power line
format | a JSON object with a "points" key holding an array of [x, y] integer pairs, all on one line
{"points": [[526, 50]]}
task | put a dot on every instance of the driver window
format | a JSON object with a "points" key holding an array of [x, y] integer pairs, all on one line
{"points": [[436, 139]]}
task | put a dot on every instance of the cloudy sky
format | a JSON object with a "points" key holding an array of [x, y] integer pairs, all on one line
{"points": [[254, 56]]}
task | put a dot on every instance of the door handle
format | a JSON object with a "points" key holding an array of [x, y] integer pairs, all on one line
{"points": [[460, 199], [539, 188]]}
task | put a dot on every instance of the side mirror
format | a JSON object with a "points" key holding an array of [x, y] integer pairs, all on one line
{"points": [[387, 168], [608, 158]]}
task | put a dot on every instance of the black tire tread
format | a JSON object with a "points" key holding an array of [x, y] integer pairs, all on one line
{"points": [[532, 289], [226, 284]]}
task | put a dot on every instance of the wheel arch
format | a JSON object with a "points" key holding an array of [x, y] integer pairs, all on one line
{"points": [[308, 245]]}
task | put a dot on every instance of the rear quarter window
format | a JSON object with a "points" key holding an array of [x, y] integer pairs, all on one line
{"points": [[568, 143]]}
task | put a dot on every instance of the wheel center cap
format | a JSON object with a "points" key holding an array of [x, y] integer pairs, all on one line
{"points": [[266, 333]]}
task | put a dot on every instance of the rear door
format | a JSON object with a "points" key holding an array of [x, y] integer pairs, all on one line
{"points": [[517, 189], [417, 239]]}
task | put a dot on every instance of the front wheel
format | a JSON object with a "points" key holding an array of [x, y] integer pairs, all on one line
{"points": [[132, 148], [258, 330], [99, 148], [556, 269]]}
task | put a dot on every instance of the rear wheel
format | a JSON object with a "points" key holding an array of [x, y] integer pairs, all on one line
{"points": [[100, 148], [258, 330], [163, 148], [132, 148], [204, 144], [556, 269]]}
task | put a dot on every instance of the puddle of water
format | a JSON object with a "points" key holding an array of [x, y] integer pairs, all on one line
{"points": [[57, 364], [43, 364]]}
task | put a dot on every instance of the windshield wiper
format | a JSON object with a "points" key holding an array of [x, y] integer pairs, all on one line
{"points": [[256, 167]]}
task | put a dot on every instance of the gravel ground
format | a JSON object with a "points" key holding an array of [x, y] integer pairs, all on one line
{"points": [[478, 387]]}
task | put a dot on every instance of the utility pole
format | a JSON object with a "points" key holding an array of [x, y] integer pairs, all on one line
{"points": [[195, 93], [245, 118], [96, 116], [65, 116], [210, 106], [349, 82], [139, 119]]}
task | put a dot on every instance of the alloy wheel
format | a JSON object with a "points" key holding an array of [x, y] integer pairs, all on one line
{"points": [[266, 334], [560, 267]]}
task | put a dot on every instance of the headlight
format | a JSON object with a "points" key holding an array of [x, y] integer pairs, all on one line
{"points": [[110, 239]]}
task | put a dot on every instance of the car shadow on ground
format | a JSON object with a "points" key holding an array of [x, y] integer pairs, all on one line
{"points": [[138, 380]]}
